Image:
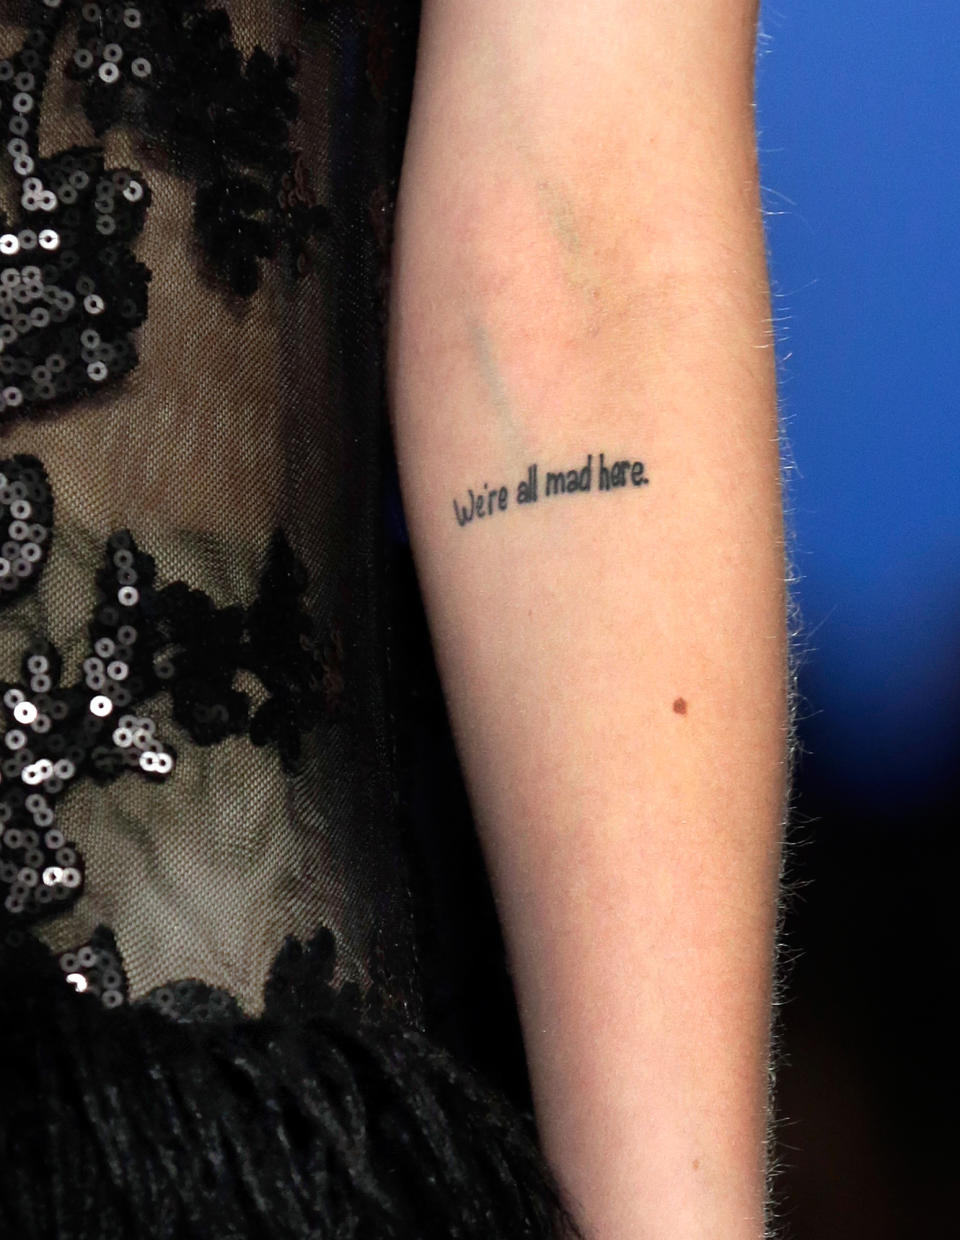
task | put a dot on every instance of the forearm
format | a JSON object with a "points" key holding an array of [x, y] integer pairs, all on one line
{"points": [[613, 659]]}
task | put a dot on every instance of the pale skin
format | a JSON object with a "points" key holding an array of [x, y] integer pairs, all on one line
{"points": [[579, 267]]}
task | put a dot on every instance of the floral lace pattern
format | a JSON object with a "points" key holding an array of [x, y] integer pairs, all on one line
{"points": [[73, 294], [71, 291], [141, 639]]}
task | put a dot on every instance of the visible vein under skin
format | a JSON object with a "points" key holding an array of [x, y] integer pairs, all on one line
{"points": [[495, 382]]}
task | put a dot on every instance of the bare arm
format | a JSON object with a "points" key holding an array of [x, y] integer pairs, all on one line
{"points": [[579, 269]]}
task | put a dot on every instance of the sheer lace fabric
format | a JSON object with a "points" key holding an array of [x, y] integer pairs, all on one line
{"points": [[236, 888], [219, 411]]}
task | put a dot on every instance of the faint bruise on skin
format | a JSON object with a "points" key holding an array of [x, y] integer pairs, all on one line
{"points": [[581, 270], [549, 311], [576, 264], [572, 270]]}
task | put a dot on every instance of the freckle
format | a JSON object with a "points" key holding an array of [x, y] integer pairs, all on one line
{"points": [[680, 706], [696, 1164]]}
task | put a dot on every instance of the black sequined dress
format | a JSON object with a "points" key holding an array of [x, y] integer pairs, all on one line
{"points": [[250, 977]]}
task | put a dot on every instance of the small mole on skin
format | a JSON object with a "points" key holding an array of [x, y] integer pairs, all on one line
{"points": [[696, 1164], [680, 706]]}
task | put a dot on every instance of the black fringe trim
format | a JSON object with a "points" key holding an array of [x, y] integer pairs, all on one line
{"points": [[324, 1117]]}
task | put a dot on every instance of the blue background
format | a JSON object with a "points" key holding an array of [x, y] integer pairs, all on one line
{"points": [[859, 136]]}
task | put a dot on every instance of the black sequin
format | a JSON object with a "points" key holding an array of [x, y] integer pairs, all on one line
{"points": [[141, 640], [71, 290], [174, 71], [96, 968], [26, 524], [55, 734], [189, 999]]}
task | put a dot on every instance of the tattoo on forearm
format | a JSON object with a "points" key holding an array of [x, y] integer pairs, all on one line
{"points": [[608, 476]]}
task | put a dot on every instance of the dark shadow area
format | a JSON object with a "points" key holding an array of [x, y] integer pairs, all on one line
{"points": [[866, 1140]]}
